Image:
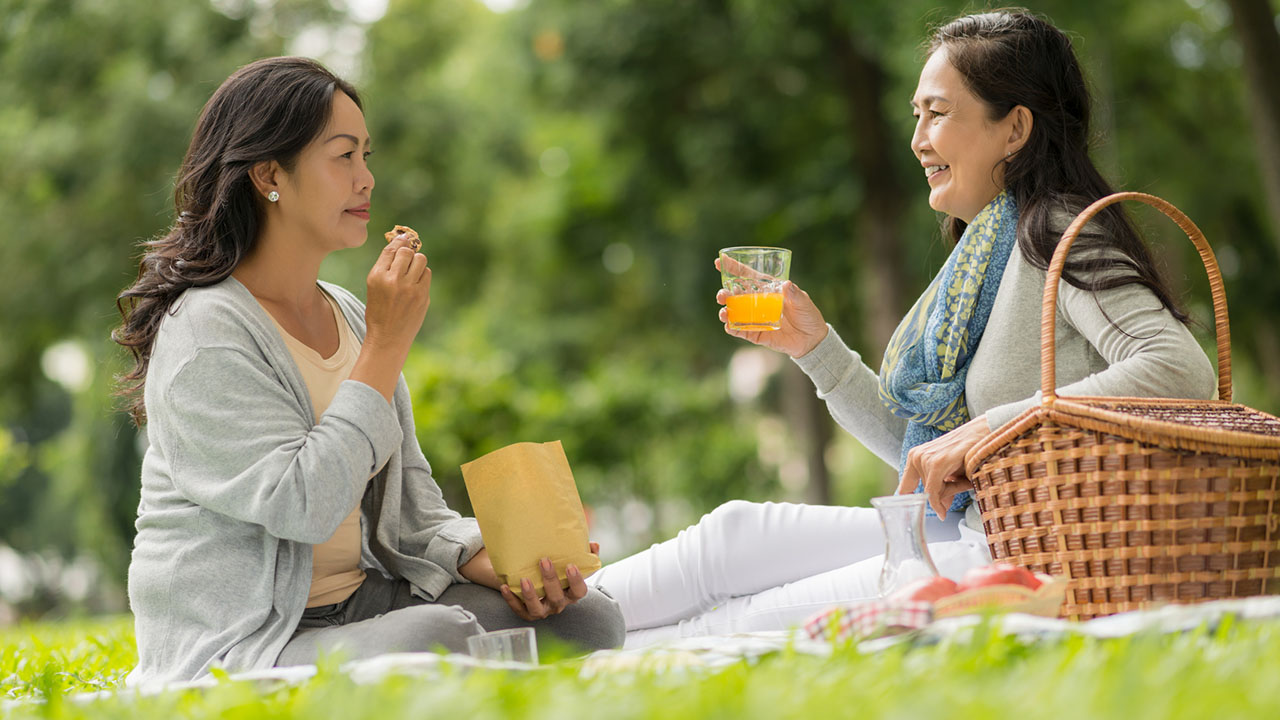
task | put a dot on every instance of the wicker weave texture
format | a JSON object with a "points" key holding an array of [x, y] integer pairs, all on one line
{"points": [[1129, 522], [1136, 500]]}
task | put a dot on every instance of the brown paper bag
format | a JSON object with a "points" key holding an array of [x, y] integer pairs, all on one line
{"points": [[528, 508]]}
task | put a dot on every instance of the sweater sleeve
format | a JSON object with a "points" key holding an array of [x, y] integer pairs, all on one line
{"points": [[1148, 352], [852, 393], [430, 529], [238, 445], [411, 521]]}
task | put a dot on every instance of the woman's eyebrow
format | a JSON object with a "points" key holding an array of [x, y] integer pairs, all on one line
{"points": [[926, 100], [352, 138]]}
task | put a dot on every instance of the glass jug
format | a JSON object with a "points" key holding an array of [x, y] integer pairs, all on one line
{"points": [[906, 557]]}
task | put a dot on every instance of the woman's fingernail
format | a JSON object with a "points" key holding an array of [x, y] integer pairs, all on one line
{"points": [[546, 565]]}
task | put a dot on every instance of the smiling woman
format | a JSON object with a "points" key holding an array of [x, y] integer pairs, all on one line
{"points": [[287, 509], [1002, 129], [963, 150]]}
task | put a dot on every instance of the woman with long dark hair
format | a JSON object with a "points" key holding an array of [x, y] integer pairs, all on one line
{"points": [[287, 509], [1002, 136]]}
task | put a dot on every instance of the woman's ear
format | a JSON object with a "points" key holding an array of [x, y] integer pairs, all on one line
{"points": [[265, 176], [1020, 131]]}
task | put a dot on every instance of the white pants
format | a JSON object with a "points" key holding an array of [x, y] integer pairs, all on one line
{"points": [[766, 566]]}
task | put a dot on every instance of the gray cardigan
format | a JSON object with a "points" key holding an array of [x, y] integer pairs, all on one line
{"points": [[240, 480], [1154, 356]]}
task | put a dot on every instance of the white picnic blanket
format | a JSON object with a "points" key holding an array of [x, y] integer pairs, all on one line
{"points": [[702, 654]]}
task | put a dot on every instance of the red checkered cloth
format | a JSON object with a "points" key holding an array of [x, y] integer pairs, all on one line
{"points": [[873, 618]]}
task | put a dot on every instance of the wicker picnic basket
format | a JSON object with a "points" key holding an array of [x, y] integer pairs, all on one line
{"points": [[1137, 501]]}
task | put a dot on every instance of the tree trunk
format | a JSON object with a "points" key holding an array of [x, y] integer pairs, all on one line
{"points": [[883, 280], [878, 227], [811, 427], [1255, 26]]}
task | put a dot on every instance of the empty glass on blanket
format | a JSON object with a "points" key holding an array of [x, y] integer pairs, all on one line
{"points": [[906, 556], [514, 645]]}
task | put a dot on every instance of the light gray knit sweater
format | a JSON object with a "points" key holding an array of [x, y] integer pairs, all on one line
{"points": [[1145, 353], [240, 481]]}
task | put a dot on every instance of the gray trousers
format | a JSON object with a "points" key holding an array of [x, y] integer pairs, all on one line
{"points": [[383, 616]]}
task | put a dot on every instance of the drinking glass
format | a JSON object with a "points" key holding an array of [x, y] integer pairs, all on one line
{"points": [[754, 276], [513, 645]]}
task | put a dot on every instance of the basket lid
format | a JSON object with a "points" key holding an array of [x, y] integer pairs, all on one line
{"points": [[1208, 426], [1207, 415], [1203, 426]]}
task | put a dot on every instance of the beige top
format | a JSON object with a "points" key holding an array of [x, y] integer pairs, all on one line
{"points": [[335, 563]]}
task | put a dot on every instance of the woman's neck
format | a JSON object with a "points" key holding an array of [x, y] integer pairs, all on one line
{"points": [[282, 271]]}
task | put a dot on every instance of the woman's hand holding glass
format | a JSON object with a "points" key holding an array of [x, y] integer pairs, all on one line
{"points": [[803, 326]]}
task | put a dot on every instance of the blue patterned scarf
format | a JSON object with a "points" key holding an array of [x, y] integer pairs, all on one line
{"points": [[925, 365]]}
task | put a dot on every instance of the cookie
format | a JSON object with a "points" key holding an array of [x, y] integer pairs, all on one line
{"points": [[414, 243]]}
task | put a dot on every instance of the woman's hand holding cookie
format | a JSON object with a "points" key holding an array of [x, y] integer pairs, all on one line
{"points": [[399, 293]]}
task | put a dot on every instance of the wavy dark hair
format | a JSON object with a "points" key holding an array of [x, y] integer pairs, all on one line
{"points": [[268, 110], [1011, 57]]}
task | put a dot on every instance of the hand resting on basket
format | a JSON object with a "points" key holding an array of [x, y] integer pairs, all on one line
{"points": [[940, 464]]}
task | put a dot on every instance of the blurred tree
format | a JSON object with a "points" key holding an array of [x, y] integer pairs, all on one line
{"points": [[1258, 30], [573, 168], [97, 102], [541, 327]]}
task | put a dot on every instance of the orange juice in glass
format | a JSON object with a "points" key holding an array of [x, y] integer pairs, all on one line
{"points": [[753, 276]]}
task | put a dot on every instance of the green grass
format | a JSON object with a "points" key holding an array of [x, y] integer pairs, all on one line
{"points": [[1231, 672]]}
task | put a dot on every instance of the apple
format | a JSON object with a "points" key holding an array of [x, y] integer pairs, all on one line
{"points": [[926, 590], [999, 574]]}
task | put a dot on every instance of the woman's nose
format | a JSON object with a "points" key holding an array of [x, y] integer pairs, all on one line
{"points": [[919, 139]]}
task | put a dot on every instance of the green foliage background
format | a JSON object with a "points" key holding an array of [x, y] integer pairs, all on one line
{"points": [[535, 150]]}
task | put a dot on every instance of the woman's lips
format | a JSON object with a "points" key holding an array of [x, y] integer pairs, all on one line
{"points": [[362, 213], [937, 175]]}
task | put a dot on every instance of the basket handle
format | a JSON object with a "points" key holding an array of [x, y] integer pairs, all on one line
{"points": [[1049, 305]]}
